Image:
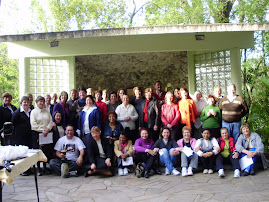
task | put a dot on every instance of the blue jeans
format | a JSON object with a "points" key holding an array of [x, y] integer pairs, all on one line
{"points": [[167, 159], [233, 129], [254, 159]]}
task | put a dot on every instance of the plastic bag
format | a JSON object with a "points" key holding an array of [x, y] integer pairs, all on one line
{"points": [[13, 152]]}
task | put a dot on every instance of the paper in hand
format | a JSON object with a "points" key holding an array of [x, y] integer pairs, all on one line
{"points": [[245, 162], [188, 151], [45, 140]]}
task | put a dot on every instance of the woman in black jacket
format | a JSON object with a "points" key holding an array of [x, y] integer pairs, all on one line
{"points": [[150, 115]]}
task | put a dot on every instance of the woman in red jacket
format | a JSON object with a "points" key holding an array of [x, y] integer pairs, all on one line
{"points": [[227, 152]]}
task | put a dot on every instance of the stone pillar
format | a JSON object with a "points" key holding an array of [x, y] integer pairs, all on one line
{"points": [[24, 76], [236, 70], [191, 73]]}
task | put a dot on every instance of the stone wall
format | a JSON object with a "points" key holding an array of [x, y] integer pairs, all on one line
{"points": [[129, 70]]}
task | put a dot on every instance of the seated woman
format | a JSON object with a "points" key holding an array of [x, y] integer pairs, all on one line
{"points": [[113, 128], [144, 156], [227, 152], [166, 147], [99, 154], [206, 148], [187, 162], [123, 149], [250, 144]]}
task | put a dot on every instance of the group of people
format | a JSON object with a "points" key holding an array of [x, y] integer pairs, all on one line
{"points": [[99, 130]]}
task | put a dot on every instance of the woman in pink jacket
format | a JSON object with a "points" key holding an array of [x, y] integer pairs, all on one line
{"points": [[189, 159], [170, 115]]}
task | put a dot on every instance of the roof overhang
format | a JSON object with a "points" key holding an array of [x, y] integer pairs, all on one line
{"points": [[134, 40]]}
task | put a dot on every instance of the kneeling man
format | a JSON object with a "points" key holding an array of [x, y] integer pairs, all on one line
{"points": [[74, 149]]}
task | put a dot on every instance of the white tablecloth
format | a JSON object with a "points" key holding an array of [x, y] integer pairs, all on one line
{"points": [[21, 165]]}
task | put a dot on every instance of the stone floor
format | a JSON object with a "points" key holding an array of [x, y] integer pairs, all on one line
{"points": [[200, 187]]}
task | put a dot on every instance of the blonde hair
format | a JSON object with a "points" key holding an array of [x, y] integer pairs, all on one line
{"points": [[95, 129]]}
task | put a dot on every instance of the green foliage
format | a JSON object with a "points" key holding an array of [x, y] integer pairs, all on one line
{"points": [[9, 75], [257, 94]]}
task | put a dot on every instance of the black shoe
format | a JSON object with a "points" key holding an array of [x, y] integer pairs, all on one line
{"points": [[25, 174], [252, 172], [86, 174], [156, 171], [245, 173], [146, 174]]}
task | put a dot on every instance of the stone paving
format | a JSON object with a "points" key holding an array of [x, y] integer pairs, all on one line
{"points": [[200, 187]]}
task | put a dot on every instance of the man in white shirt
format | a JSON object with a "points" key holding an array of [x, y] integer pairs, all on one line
{"points": [[74, 148]]}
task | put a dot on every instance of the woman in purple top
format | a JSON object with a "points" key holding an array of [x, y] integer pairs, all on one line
{"points": [[63, 108], [143, 153]]}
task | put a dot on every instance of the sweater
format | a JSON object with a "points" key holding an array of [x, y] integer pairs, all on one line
{"points": [[211, 121], [141, 145], [103, 109], [170, 114], [160, 144], [188, 111], [233, 111]]}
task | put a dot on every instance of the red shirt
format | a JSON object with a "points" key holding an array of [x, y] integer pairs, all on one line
{"points": [[103, 108]]}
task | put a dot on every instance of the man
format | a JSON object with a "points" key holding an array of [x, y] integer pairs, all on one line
{"points": [[233, 109], [74, 151], [127, 116], [73, 117], [99, 154], [159, 94]]}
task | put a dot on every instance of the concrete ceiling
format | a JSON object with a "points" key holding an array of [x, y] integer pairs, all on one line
{"points": [[134, 40]]}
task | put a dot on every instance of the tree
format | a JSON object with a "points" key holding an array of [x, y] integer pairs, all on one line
{"points": [[9, 75]]}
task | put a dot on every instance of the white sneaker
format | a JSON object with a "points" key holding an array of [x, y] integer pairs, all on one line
{"points": [[125, 171], [221, 173], [167, 172], [120, 172], [237, 173], [175, 172], [210, 171], [190, 173], [184, 172], [205, 171]]}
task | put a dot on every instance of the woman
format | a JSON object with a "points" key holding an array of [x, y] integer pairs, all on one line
{"points": [[105, 96], [211, 117], [22, 127], [200, 104], [127, 116], [113, 103], [48, 105], [227, 152], [58, 128], [99, 154], [170, 115], [250, 144], [31, 99], [176, 93], [217, 94], [63, 108], [41, 122], [6, 111], [186, 146], [90, 116], [144, 156], [113, 128], [123, 149], [101, 105], [150, 115], [206, 148], [187, 110], [120, 93], [21, 123], [136, 102], [166, 147]]}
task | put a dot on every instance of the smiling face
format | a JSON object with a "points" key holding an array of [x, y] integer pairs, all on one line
{"points": [[198, 96], [25, 104], [144, 134], [224, 134], [48, 99], [40, 104], [231, 90], [186, 135], [7, 100], [69, 131], [74, 94], [58, 117], [121, 93], [63, 98], [217, 92], [98, 96], [122, 139], [137, 94], [176, 93], [96, 135], [148, 95], [210, 101], [246, 131], [82, 94], [206, 134], [158, 86], [184, 94], [125, 100], [89, 102], [166, 134], [113, 97], [169, 97], [111, 118]]}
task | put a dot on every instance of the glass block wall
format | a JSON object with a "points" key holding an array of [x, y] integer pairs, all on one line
{"points": [[48, 75], [212, 69]]}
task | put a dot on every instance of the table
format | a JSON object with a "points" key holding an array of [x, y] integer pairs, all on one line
{"points": [[22, 165]]}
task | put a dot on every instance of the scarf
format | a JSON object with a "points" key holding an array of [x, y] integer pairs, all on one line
{"points": [[146, 110], [81, 102], [123, 147]]}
